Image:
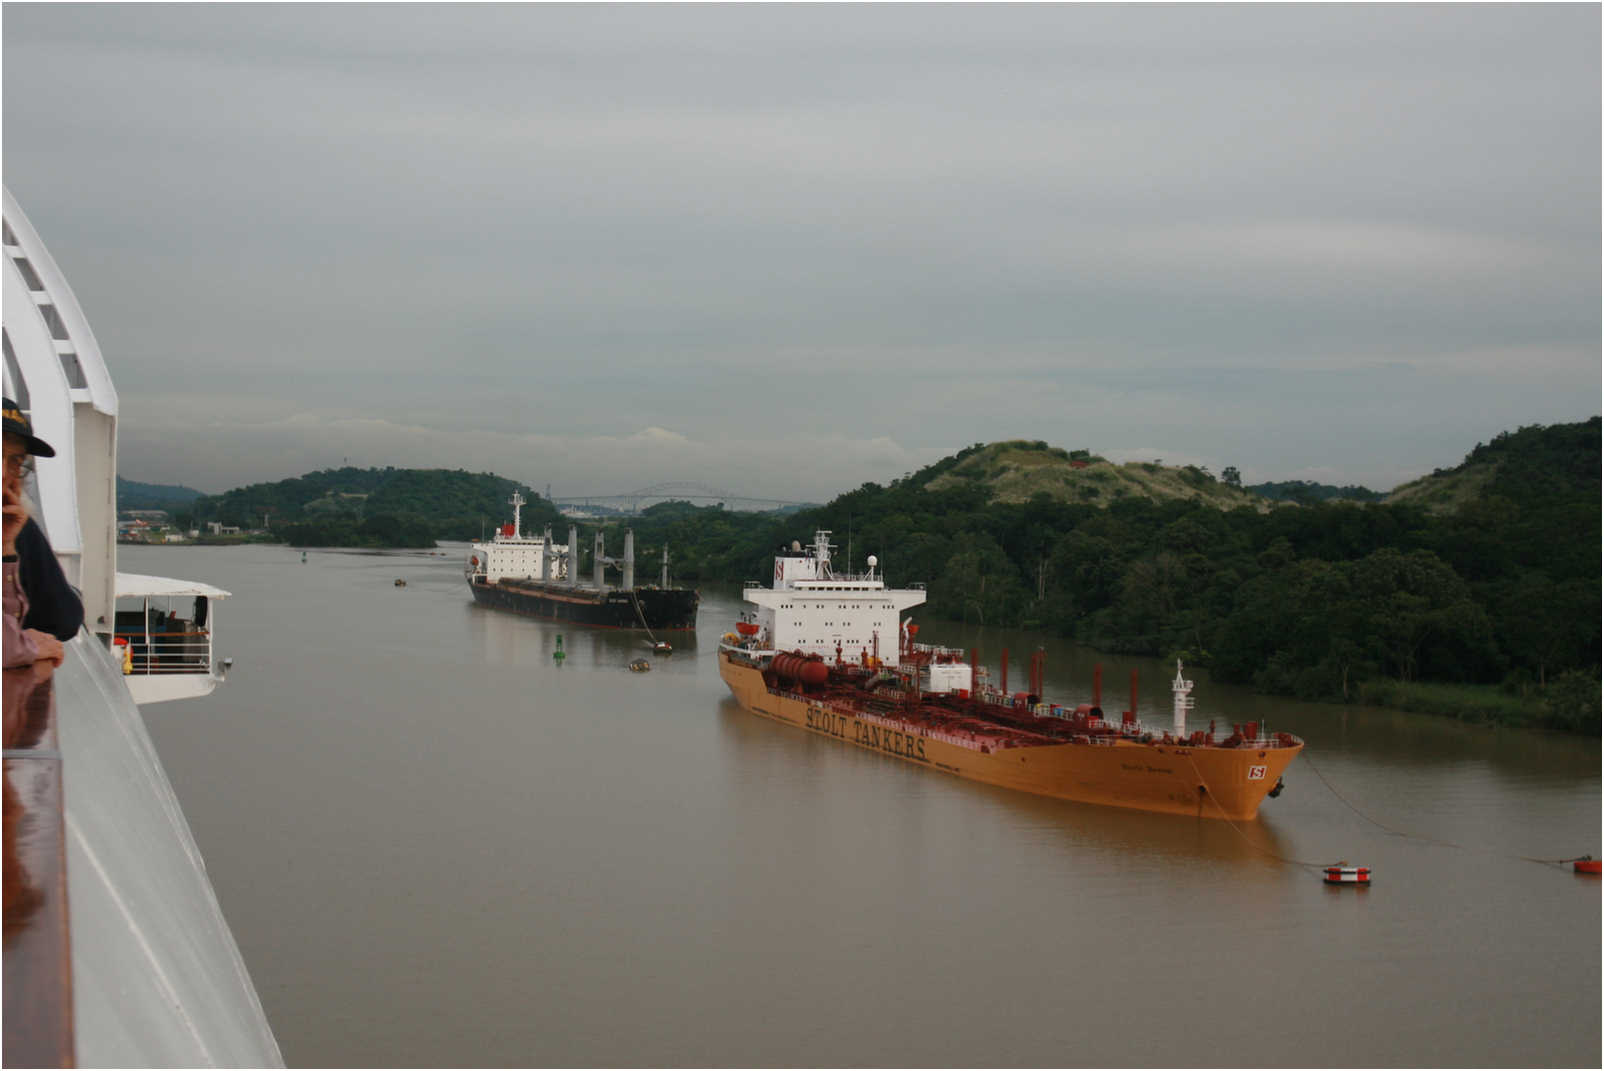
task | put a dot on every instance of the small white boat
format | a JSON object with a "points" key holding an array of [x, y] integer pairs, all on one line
{"points": [[163, 634]]}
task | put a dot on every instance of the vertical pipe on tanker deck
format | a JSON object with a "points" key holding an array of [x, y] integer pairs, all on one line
{"points": [[1130, 715], [1004, 681]]}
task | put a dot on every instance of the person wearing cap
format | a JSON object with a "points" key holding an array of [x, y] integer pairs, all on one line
{"points": [[41, 608]]}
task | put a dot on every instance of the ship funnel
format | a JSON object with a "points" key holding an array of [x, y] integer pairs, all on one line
{"points": [[599, 560], [573, 554], [629, 559]]}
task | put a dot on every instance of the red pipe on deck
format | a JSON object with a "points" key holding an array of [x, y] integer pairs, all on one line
{"points": [[1004, 683], [1130, 715], [1038, 660]]}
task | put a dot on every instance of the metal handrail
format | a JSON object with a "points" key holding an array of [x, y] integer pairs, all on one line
{"points": [[167, 652]]}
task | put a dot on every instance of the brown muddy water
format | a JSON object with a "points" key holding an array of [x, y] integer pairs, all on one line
{"points": [[438, 847]]}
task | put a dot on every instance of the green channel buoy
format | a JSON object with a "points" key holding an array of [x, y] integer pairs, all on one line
{"points": [[558, 654]]}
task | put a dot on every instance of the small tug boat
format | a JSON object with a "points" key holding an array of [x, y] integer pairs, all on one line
{"points": [[639, 665]]}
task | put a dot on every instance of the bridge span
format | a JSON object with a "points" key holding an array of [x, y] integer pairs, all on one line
{"points": [[630, 503]]}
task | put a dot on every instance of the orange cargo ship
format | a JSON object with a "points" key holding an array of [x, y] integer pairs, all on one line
{"points": [[809, 654]]}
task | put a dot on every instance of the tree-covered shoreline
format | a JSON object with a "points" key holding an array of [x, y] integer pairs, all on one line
{"points": [[1323, 600], [371, 508], [1481, 576]]}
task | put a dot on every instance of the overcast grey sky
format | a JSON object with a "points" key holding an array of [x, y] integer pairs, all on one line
{"points": [[787, 249]]}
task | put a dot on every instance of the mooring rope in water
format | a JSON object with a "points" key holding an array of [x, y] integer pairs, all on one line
{"points": [[1423, 837], [1228, 820], [634, 598]]}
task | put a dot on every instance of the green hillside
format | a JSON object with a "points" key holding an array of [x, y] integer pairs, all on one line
{"points": [[131, 494], [1304, 492], [1330, 599], [1016, 471], [1528, 468], [374, 507]]}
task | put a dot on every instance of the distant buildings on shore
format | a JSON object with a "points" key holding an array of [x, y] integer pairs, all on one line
{"points": [[156, 526]]}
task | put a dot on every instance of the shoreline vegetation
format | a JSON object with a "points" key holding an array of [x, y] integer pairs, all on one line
{"points": [[1472, 593]]}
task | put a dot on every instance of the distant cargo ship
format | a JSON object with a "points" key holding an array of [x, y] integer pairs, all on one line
{"points": [[809, 653], [533, 575]]}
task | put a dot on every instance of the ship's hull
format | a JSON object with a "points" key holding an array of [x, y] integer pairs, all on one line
{"points": [[1211, 782], [655, 609]]}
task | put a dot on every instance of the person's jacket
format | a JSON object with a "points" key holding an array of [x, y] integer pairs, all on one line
{"points": [[53, 604]]}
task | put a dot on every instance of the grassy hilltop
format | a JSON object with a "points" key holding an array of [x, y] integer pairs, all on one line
{"points": [[1529, 468], [1015, 471]]}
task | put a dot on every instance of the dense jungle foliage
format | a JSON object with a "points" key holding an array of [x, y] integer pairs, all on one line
{"points": [[1312, 600], [389, 507]]}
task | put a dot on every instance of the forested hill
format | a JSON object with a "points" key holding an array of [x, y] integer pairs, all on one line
{"points": [[1533, 468], [375, 507], [131, 494], [1015, 471], [1318, 600], [1305, 492]]}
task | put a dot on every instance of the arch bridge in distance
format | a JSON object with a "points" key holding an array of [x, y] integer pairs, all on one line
{"points": [[631, 503]]}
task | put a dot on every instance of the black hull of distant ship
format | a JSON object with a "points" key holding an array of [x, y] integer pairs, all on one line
{"points": [[647, 609]]}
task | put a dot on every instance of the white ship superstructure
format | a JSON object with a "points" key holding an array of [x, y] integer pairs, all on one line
{"points": [[811, 609], [516, 556]]}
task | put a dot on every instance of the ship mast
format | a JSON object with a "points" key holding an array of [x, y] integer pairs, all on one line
{"points": [[1183, 700], [517, 501]]}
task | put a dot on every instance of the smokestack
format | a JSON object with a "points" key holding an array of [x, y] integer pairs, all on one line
{"points": [[629, 559]]}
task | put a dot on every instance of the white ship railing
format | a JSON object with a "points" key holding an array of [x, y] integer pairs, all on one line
{"points": [[180, 652]]}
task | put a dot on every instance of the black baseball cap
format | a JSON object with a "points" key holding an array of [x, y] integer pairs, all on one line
{"points": [[17, 423]]}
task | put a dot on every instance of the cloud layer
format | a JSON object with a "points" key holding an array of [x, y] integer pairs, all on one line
{"points": [[796, 248]]}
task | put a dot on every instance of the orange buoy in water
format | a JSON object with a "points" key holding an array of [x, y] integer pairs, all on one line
{"points": [[1587, 866]]}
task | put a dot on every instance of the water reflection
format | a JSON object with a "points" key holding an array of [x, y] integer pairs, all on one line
{"points": [[577, 865]]}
